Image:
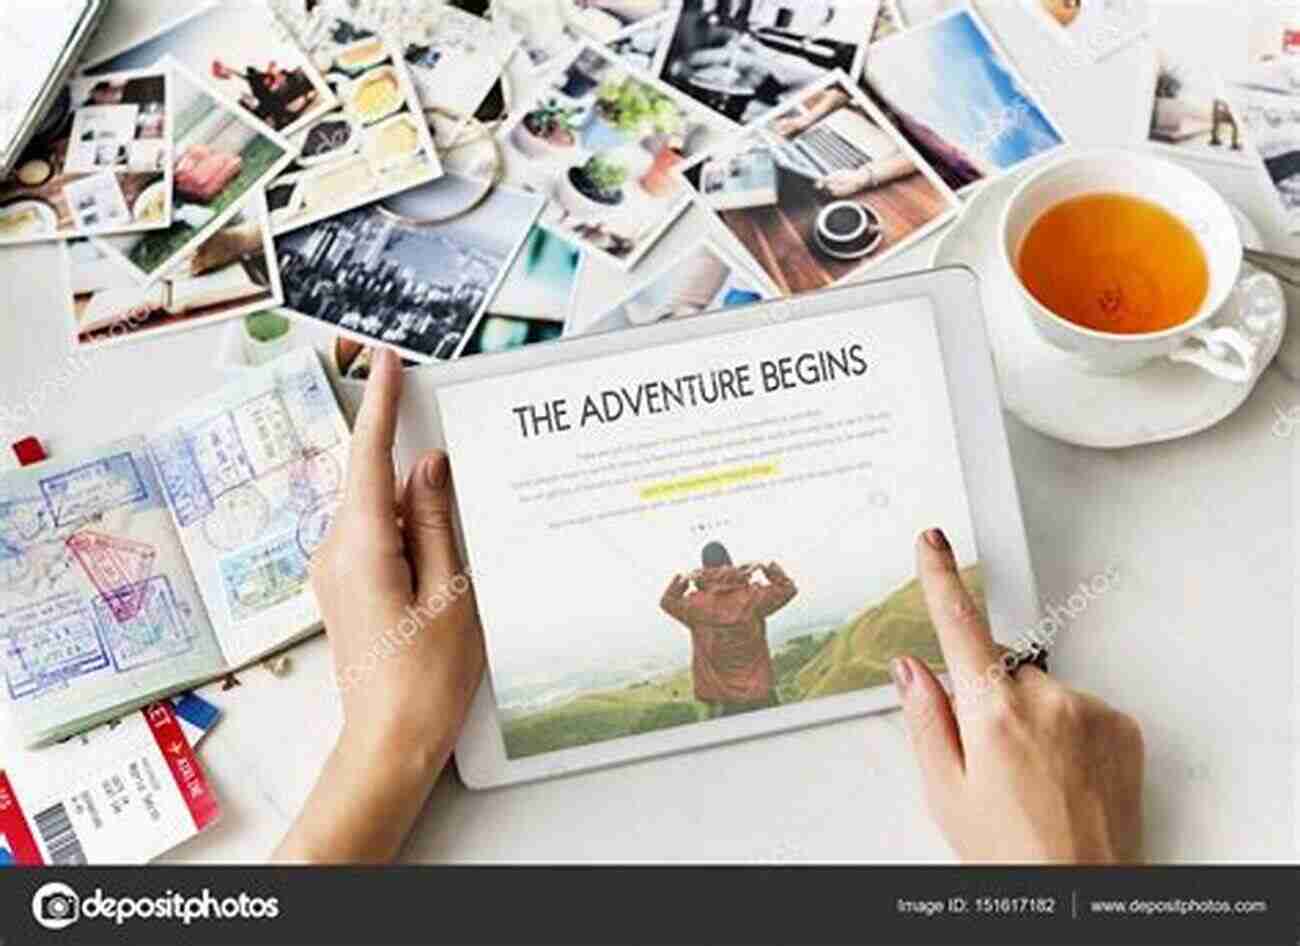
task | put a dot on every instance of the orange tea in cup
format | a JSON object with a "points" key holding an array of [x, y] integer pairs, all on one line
{"points": [[1114, 263]]}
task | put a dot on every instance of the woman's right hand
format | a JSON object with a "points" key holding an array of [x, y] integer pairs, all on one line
{"points": [[1017, 768]]}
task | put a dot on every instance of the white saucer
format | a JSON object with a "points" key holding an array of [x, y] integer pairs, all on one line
{"points": [[1046, 388]]}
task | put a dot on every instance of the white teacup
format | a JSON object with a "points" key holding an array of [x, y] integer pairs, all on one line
{"points": [[1223, 351]]}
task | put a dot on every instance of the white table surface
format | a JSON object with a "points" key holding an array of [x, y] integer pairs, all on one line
{"points": [[1197, 640]]}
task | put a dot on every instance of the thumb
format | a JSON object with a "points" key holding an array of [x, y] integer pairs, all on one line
{"points": [[931, 727], [427, 523]]}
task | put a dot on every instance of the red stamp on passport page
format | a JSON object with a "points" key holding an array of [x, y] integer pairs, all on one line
{"points": [[118, 568]]}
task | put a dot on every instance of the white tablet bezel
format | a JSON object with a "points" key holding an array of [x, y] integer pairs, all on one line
{"points": [[986, 463]]}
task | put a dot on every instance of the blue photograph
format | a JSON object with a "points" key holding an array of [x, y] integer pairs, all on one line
{"points": [[957, 99]]}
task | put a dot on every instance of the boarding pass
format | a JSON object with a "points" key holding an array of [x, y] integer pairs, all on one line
{"points": [[124, 793]]}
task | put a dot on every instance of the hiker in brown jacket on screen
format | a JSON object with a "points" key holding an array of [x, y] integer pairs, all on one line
{"points": [[727, 616]]}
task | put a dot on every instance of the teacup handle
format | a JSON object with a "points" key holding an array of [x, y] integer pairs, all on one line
{"points": [[1211, 349]]}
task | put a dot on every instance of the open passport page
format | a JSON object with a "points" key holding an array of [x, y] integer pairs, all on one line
{"points": [[156, 562]]}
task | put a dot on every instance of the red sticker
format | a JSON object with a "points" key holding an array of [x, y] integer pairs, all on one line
{"points": [[29, 451]]}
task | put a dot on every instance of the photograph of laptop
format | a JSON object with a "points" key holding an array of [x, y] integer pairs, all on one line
{"points": [[844, 140]]}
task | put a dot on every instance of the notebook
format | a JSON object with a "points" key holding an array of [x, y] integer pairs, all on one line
{"points": [[40, 41], [156, 562]]}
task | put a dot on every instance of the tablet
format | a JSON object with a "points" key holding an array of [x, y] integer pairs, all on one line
{"points": [[702, 531]]}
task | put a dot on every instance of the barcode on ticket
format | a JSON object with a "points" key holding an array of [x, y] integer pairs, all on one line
{"points": [[121, 794], [60, 837]]}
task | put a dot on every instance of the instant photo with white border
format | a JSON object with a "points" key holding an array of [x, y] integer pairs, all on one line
{"points": [[704, 294], [380, 221], [196, 39], [93, 188], [633, 217], [124, 246], [307, 170], [607, 21], [788, 72], [1097, 28], [1188, 113], [793, 157], [160, 292], [1011, 109]]}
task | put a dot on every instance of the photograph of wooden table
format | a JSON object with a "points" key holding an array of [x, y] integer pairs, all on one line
{"points": [[831, 150]]}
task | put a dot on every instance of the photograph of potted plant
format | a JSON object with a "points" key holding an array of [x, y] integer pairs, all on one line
{"points": [[547, 130], [606, 158], [591, 189], [626, 109]]}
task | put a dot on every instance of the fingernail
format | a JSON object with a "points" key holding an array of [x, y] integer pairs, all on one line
{"points": [[937, 540], [901, 671], [435, 471]]}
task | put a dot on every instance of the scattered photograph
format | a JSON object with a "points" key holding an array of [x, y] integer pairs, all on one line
{"points": [[542, 281], [602, 143], [606, 20], [742, 60], [546, 34], [232, 273], [702, 280], [354, 361], [374, 143], [97, 202], [454, 58], [100, 163], [741, 176], [1269, 115], [825, 191], [1189, 113], [958, 100], [1273, 34], [222, 161], [1096, 28], [888, 21], [100, 139], [498, 333], [245, 56], [638, 48], [531, 305], [381, 274]]}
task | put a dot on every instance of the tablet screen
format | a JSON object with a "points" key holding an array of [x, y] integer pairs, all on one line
{"points": [[721, 526]]}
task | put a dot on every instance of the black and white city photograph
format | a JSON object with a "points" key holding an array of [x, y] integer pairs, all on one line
{"points": [[385, 274]]}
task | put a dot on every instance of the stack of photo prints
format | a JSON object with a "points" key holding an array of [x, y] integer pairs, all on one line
{"points": [[303, 168]]}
